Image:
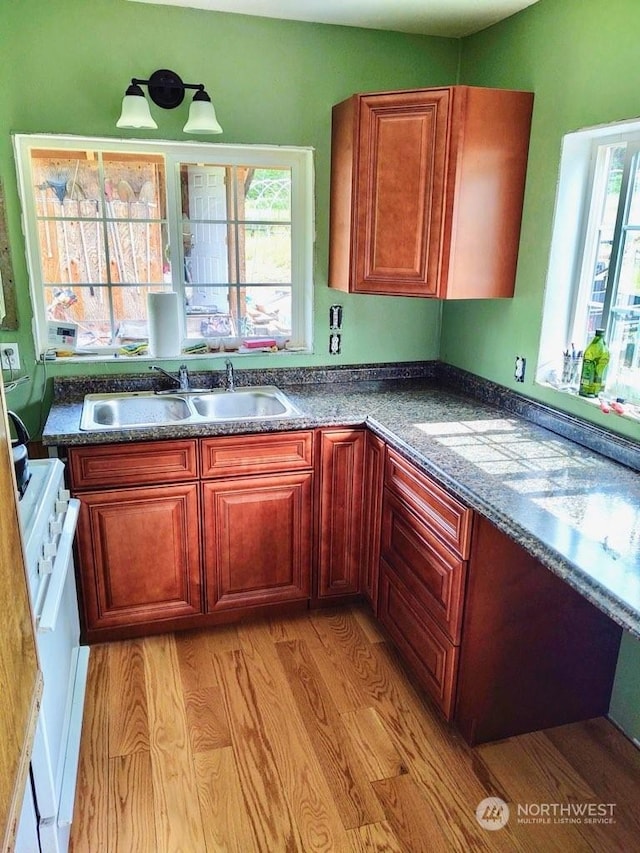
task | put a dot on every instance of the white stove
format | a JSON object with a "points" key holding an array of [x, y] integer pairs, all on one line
{"points": [[48, 519]]}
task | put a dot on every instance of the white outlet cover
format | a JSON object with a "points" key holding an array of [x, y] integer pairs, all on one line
{"points": [[15, 358]]}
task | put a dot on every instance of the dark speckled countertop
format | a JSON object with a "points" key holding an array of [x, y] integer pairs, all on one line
{"points": [[576, 510]]}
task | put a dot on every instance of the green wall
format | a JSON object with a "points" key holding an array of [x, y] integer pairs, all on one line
{"points": [[271, 81], [581, 60]]}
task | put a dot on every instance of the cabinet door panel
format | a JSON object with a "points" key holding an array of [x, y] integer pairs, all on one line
{"points": [[433, 574], [341, 504], [257, 539], [429, 653], [403, 141], [139, 555]]}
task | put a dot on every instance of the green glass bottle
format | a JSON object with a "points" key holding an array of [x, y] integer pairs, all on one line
{"points": [[594, 363]]}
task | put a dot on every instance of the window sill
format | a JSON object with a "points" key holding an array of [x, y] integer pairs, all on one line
{"points": [[110, 358], [631, 411]]}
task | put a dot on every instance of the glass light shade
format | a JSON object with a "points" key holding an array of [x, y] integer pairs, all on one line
{"points": [[135, 110], [202, 117]]}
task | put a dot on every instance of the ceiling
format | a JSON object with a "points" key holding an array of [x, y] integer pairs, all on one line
{"points": [[452, 18]]}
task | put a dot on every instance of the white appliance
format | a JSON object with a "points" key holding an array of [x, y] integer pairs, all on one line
{"points": [[48, 519]]}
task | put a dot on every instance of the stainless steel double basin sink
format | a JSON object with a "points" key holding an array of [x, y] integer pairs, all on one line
{"points": [[148, 409]]}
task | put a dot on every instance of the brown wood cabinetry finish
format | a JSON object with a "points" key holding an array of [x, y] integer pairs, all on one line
{"points": [[427, 650], [441, 512], [431, 572], [139, 556], [137, 463], [373, 483], [427, 188], [228, 456], [534, 652], [257, 540], [340, 506]]}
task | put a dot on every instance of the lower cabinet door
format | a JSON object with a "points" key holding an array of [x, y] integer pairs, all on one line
{"points": [[257, 540], [426, 649], [139, 555]]}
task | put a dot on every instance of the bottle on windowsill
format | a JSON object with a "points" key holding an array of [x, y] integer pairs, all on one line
{"points": [[594, 362]]}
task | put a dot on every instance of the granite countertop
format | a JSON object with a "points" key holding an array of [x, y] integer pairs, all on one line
{"points": [[575, 510]]}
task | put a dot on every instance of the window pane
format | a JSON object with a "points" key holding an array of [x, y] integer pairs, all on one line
{"points": [[205, 253], [134, 186], [72, 251], [136, 253], [268, 195], [60, 177], [267, 253], [88, 307], [610, 200], [267, 311]]}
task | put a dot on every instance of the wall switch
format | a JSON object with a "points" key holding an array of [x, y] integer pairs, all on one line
{"points": [[9, 356], [519, 368]]}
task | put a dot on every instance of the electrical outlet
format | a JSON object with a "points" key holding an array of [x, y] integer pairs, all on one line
{"points": [[9, 356], [519, 368]]}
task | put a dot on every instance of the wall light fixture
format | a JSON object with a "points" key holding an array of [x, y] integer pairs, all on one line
{"points": [[167, 90]]}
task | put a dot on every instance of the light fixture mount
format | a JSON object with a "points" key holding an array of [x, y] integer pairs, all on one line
{"points": [[167, 89]]}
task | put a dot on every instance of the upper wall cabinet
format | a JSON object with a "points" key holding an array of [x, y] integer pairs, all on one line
{"points": [[427, 188]]}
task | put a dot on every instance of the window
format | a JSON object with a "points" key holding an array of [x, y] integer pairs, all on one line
{"points": [[594, 270], [229, 228]]}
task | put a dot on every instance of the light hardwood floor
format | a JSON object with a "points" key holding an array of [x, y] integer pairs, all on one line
{"points": [[305, 734]]}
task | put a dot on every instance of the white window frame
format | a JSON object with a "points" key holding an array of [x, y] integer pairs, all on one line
{"points": [[573, 243], [298, 159]]}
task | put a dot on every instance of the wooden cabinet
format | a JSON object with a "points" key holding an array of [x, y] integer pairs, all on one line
{"points": [[340, 503], [373, 483], [138, 544], [427, 187], [535, 653], [257, 525], [424, 539]]}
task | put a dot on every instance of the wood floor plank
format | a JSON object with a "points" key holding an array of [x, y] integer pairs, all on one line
{"points": [[178, 819], [303, 780], [420, 735], [89, 830], [196, 663], [227, 827], [131, 818], [378, 754], [345, 690], [206, 719], [368, 625], [272, 821], [128, 722], [343, 770], [608, 762], [414, 825], [516, 766], [375, 838]]}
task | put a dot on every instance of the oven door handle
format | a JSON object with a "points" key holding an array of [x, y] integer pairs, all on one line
{"points": [[51, 606]]}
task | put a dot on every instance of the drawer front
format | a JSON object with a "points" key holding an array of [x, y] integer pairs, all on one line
{"points": [[137, 463], [447, 517], [432, 657], [229, 456], [432, 573]]}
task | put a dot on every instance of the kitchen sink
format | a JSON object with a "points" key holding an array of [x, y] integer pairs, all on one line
{"points": [[243, 403], [147, 409]]}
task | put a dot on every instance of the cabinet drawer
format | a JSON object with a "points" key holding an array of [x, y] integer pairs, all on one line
{"points": [[138, 463], [228, 456], [442, 513], [432, 657], [432, 573]]}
